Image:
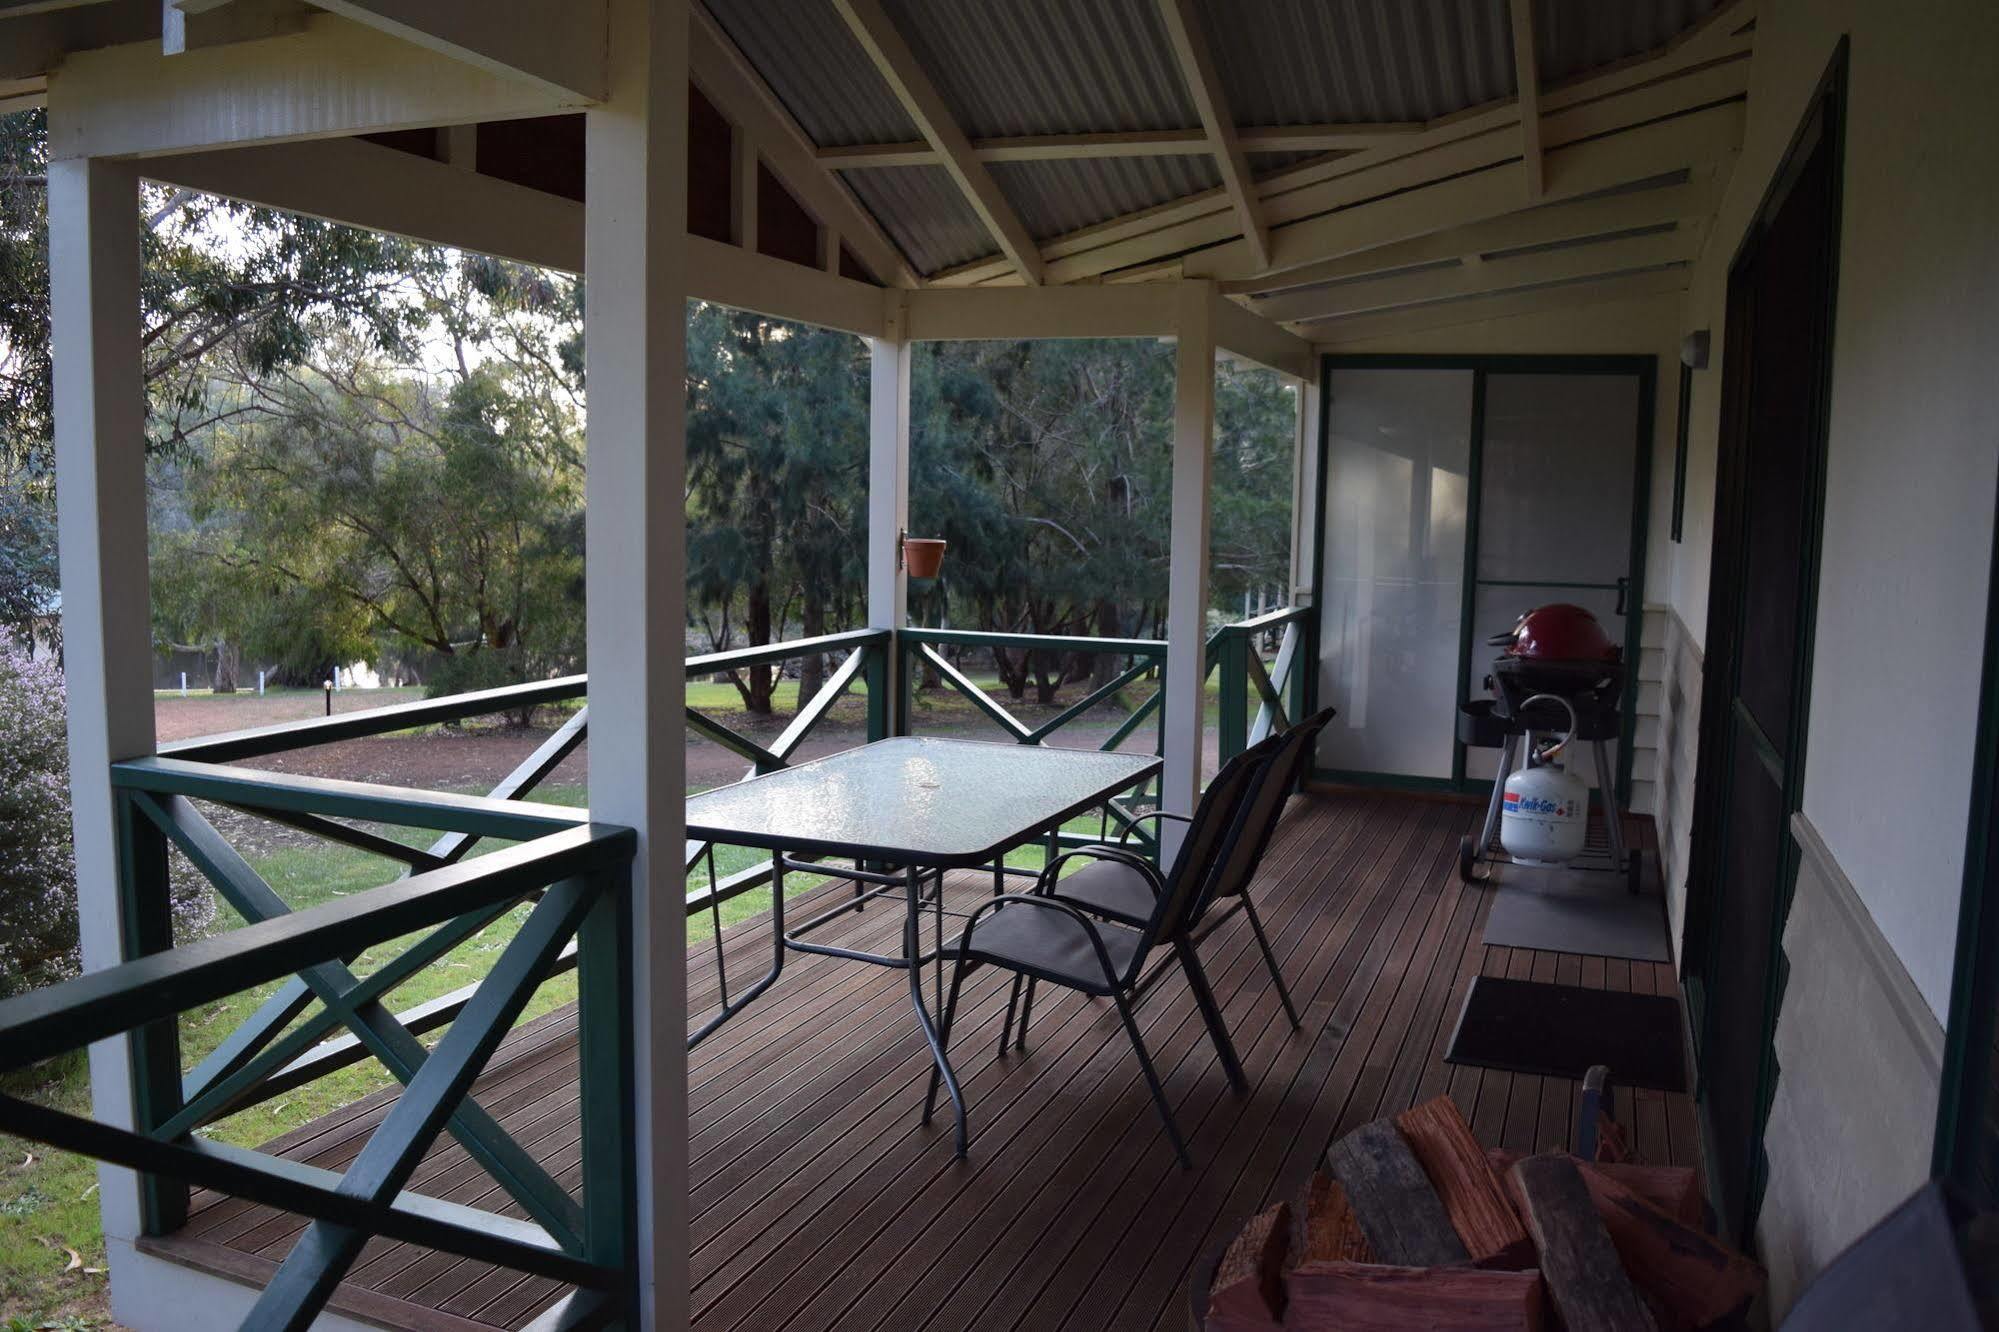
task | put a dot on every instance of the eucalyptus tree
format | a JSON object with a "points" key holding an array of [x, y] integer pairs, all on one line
{"points": [[217, 276]]}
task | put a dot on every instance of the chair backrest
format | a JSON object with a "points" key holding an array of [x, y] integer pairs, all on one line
{"points": [[1263, 806], [1206, 841]]}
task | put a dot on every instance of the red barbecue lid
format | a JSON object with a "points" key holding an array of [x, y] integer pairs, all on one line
{"points": [[1560, 632]]}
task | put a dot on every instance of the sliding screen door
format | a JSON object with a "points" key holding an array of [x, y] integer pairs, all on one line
{"points": [[1558, 469], [1391, 586]]}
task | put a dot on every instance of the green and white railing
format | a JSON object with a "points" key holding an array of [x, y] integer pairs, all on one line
{"points": [[577, 875]]}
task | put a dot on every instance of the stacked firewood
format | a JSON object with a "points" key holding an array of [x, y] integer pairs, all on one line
{"points": [[1412, 1224]]}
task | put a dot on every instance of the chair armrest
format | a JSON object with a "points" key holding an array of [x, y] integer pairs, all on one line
{"points": [[1132, 826], [965, 943], [1044, 882]]}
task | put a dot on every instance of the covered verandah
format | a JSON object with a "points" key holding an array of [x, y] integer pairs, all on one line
{"points": [[547, 142], [817, 1200]]}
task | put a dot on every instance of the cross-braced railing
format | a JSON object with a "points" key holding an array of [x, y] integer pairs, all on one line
{"points": [[866, 663], [1141, 658], [576, 874], [1279, 690]]}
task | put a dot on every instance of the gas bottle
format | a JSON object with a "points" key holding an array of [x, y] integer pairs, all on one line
{"points": [[1545, 810]]}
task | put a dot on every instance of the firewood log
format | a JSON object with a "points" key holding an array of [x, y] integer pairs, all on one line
{"points": [[1473, 1196], [1247, 1293], [1585, 1278], [1369, 1297]]}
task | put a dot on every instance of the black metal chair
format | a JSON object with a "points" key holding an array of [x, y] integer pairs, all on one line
{"points": [[1039, 937], [1125, 889]]}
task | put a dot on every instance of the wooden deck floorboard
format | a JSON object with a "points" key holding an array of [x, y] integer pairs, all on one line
{"points": [[819, 1201]]}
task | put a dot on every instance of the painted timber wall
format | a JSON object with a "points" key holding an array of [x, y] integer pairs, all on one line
{"points": [[1913, 456]]}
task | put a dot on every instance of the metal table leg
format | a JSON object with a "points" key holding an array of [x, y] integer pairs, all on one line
{"points": [[912, 951], [769, 978]]}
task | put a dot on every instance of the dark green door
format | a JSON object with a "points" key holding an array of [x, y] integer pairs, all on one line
{"points": [[1758, 670]]}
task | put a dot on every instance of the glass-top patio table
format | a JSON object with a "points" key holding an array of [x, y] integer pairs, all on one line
{"points": [[904, 811]]}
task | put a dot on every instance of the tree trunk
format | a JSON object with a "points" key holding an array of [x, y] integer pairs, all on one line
{"points": [[758, 701], [1047, 681], [1104, 666], [228, 660], [812, 669], [1012, 675]]}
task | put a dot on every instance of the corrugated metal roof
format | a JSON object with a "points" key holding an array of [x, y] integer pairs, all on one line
{"points": [[1023, 67], [1048, 66], [1303, 62], [924, 213], [1571, 36], [1062, 196], [812, 62]]}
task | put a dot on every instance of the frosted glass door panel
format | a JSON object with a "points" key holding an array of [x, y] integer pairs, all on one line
{"points": [[1398, 454], [1558, 465], [1560, 459]]}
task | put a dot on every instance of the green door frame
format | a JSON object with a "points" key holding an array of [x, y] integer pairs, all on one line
{"points": [[1967, 1116], [1646, 369], [1719, 716]]}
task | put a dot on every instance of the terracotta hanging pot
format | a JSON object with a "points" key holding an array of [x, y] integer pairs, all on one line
{"points": [[923, 556]]}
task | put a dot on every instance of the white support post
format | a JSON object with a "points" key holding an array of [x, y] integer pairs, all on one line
{"points": [[101, 523], [635, 334], [888, 482], [1305, 494], [1187, 561]]}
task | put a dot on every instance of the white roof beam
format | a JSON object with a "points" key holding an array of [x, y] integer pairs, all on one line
{"points": [[1527, 80], [1704, 65], [189, 25], [1197, 68], [1509, 273], [1605, 145], [1689, 200], [919, 97], [1401, 324], [1122, 143], [337, 77], [560, 45], [366, 185]]}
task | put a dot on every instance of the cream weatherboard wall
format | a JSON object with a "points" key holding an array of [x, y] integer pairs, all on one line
{"points": [[1912, 459]]}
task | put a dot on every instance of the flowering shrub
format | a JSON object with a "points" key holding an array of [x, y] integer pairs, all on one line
{"points": [[38, 938]]}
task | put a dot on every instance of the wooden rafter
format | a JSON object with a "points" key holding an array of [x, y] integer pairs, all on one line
{"points": [[919, 97], [23, 94], [1479, 309], [555, 44], [1527, 78], [1574, 263], [1125, 143], [1685, 201], [1204, 84], [722, 73], [1705, 64]]}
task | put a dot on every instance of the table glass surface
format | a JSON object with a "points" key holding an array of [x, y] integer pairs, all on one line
{"points": [[914, 799]]}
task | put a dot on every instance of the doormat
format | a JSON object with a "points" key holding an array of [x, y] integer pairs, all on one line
{"points": [[1562, 1030], [1575, 911]]}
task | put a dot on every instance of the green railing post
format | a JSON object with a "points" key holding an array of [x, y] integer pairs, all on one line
{"points": [[1232, 656], [1304, 665], [881, 708], [904, 648], [610, 1127], [145, 898]]}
